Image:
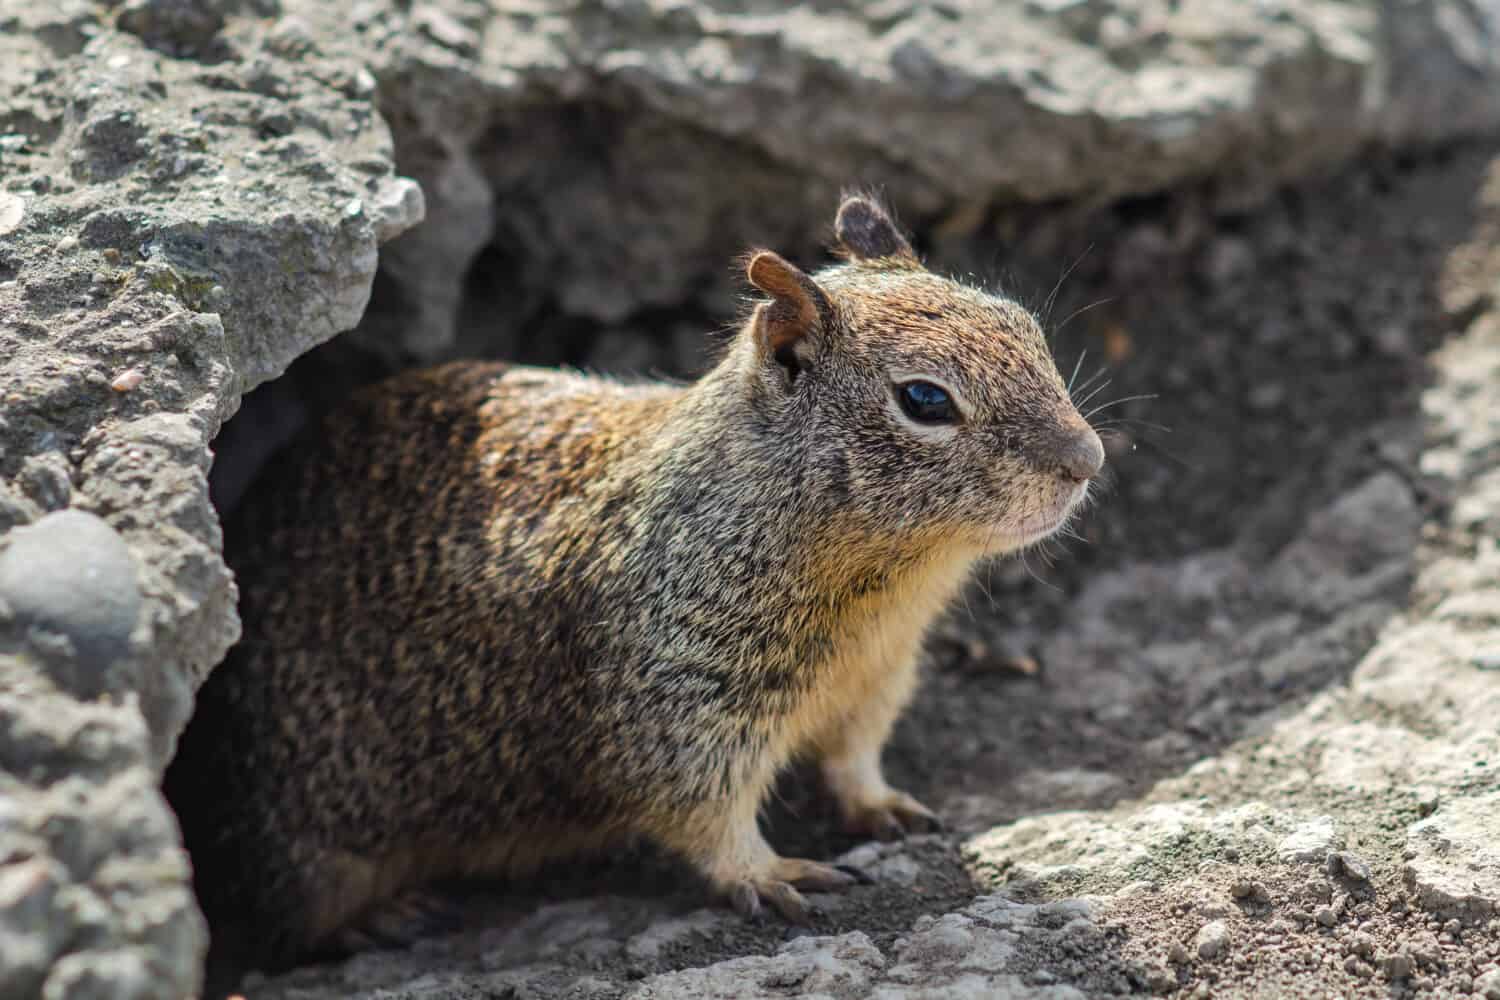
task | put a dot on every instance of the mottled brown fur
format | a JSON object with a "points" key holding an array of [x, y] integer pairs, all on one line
{"points": [[496, 615]]}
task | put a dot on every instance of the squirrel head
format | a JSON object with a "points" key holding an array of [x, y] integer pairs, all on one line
{"points": [[920, 405]]}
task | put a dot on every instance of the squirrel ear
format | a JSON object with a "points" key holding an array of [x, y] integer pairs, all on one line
{"points": [[798, 307], [865, 232]]}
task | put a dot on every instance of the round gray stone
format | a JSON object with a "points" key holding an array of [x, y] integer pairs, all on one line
{"points": [[70, 574]]}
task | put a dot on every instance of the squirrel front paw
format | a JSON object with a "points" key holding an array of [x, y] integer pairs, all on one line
{"points": [[778, 887]]}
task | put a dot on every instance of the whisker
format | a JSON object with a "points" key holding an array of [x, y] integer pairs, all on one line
{"points": [[1154, 446], [1052, 299], [1102, 369], [1096, 390], [986, 582], [1032, 573], [1076, 365], [1116, 402], [1079, 312], [968, 610], [1112, 421]]}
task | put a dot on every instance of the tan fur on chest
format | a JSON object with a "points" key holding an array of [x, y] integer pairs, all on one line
{"points": [[875, 658]]}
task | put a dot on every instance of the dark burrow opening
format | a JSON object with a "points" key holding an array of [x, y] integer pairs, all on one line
{"points": [[1251, 368]]}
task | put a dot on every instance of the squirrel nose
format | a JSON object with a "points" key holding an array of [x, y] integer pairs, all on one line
{"points": [[1080, 453]]}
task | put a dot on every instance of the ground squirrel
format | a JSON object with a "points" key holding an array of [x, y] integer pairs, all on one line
{"points": [[496, 615]]}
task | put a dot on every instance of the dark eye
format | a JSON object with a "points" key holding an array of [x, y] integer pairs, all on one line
{"points": [[927, 403]]}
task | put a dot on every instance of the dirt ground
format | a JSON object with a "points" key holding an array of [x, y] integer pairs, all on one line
{"points": [[1282, 355]]}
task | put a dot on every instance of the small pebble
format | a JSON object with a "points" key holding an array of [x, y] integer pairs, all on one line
{"points": [[1326, 916], [1212, 939], [12, 211], [1250, 891], [1397, 966], [129, 379], [1349, 865], [1160, 979], [1362, 944]]}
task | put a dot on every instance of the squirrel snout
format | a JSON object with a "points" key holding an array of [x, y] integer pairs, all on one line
{"points": [[1080, 453]]}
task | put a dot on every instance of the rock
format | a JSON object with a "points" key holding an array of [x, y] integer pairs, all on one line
{"points": [[1250, 891], [1397, 966], [1344, 554], [71, 574], [165, 250], [1211, 940], [1455, 860], [1310, 842], [1035, 107], [1348, 865], [173, 25], [397, 207], [809, 966], [12, 211], [1094, 852], [1488, 985], [29, 937]]}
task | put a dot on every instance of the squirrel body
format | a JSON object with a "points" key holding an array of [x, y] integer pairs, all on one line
{"points": [[496, 615]]}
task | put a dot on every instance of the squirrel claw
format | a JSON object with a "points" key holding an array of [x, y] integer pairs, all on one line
{"points": [[778, 888], [788, 902], [857, 873], [747, 897], [895, 819], [745, 900], [813, 876]]}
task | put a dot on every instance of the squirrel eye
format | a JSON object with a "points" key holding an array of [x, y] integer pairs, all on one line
{"points": [[926, 403]]}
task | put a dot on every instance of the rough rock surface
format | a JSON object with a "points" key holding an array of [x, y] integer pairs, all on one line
{"points": [[624, 108], [173, 231], [1192, 730]]}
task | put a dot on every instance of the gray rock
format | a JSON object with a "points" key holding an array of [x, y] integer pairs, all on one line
{"points": [[1348, 865], [808, 966], [952, 105], [1106, 851], [1455, 864], [71, 574], [1212, 939], [29, 936], [1310, 842], [175, 233]]}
